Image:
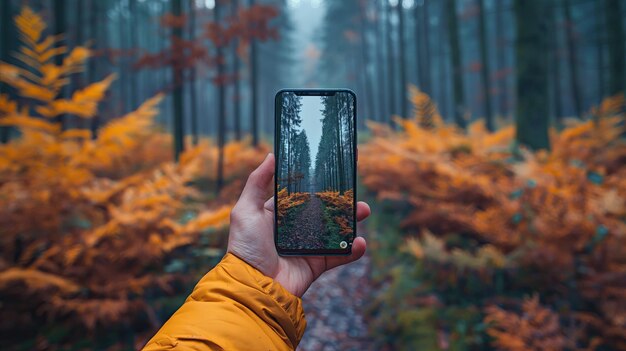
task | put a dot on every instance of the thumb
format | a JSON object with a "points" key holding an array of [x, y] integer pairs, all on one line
{"points": [[255, 191]]}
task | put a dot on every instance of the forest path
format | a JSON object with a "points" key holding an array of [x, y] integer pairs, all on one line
{"points": [[335, 306], [309, 233]]}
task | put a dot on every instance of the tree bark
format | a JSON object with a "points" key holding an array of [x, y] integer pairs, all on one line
{"points": [[253, 89], [380, 68], [600, 37], [192, 84], [60, 30], [556, 68], [457, 67], [615, 38], [391, 76], [369, 94], [5, 55], [177, 94], [572, 58], [531, 115], [403, 85], [485, 67], [501, 58], [426, 48], [221, 106], [236, 87]]}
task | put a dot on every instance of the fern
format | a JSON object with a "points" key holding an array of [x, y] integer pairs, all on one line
{"points": [[88, 226]]}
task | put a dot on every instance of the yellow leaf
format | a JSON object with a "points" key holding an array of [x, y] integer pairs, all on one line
{"points": [[30, 24], [76, 134], [21, 121], [36, 280]]}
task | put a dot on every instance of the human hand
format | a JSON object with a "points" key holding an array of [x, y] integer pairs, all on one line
{"points": [[252, 236]]}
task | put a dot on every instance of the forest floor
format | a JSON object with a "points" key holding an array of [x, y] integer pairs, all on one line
{"points": [[335, 307], [310, 226]]}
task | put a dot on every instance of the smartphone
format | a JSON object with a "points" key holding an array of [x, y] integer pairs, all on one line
{"points": [[315, 179]]}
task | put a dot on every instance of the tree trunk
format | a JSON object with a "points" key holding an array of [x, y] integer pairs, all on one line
{"points": [[237, 90], [600, 37], [340, 147], [391, 76], [177, 94], [5, 56], [192, 84], [457, 66], [485, 67], [221, 105], [442, 64], [380, 68], [418, 47], [501, 58], [532, 76], [133, 77], [369, 94], [615, 38], [60, 30], [92, 66], [253, 89], [403, 86], [573, 59], [556, 68], [426, 49]]}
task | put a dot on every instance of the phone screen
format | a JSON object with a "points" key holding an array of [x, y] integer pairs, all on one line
{"points": [[315, 150]]}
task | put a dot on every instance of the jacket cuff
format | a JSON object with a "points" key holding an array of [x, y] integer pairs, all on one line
{"points": [[288, 321]]}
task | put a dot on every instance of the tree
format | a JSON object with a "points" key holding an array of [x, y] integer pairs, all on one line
{"points": [[5, 54], [391, 74], [192, 72], [60, 22], [254, 72], [600, 38], [572, 58], [457, 66], [302, 160], [484, 70], [555, 68], [221, 104], [380, 63], [403, 86], [531, 115], [501, 59], [177, 94], [236, 87], [422, 46], [333, 162], [290, 108], [615, 33], [365, 57]]}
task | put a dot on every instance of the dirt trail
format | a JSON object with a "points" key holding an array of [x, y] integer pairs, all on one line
{"points": [[310, 229], [335, 306]]}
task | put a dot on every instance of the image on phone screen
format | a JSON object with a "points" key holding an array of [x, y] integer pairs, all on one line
{"points": [[315, 172]]}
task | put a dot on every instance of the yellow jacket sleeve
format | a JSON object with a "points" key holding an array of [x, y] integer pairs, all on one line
{"points": [[234, 307]]}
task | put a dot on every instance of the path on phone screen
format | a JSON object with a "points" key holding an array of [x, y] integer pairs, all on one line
{"points": [[335, 307], [310, 226]]}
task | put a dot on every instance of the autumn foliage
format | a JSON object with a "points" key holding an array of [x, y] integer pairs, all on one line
{"points": [[286, 202], [92, 228], [340, 207], [492, 220]]}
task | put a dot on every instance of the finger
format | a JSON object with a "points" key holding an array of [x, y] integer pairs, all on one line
{"points": [[358, 249], [362, 210], [255, 191]]}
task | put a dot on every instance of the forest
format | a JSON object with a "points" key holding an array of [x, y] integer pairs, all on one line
{"points": [[315, 206], [492, 151]]}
